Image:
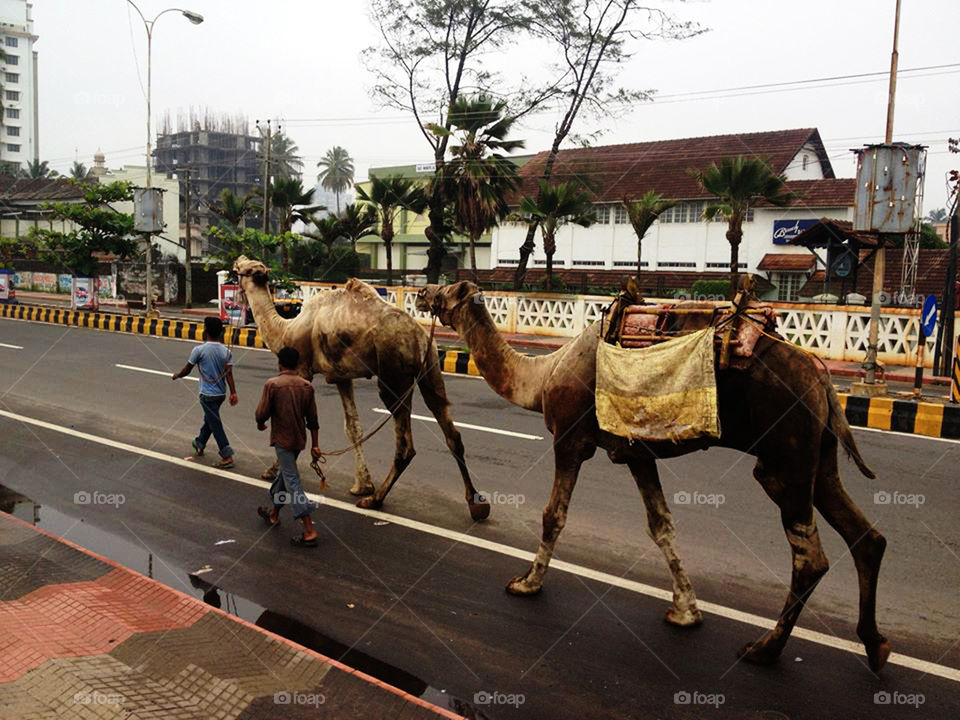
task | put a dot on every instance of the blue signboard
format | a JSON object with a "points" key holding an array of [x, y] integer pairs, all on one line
{"points": [[928, 316], [786, 230]]}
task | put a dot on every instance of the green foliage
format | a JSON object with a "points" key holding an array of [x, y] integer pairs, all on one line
{"points": [[233, 209], [357, 221], [15, 249], [78, 171], [710, 289], [284, 161], [38, 169], [929, 239], [643, 213], [97, 228], [387, 198], [553, 207], [340, 264], [228, 244]]}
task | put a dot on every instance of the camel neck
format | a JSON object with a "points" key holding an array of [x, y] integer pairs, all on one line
{"points": [[269, 323], [514, 376]]}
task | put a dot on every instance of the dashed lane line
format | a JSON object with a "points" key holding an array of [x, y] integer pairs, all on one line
{"points": [[468, 426], [154, 372]]}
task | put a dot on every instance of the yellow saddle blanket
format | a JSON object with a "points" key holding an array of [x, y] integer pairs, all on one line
{"points": [[666, 391]]}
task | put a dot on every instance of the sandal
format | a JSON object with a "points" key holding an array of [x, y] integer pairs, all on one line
{"points": [[197, 450], [265, 514], [224, 464], [300, 541]]}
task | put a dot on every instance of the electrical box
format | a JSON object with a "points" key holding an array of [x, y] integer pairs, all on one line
{"points": [[889, 187], [148, 210]]}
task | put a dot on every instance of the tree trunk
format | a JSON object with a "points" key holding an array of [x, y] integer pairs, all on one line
{"points": [[338, 202], [549, 248], [639, 261], [734, 236], [387, 235], [473, 257], [434, 233], [528, 244]]}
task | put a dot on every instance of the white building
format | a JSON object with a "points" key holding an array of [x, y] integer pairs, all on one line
{"points": [[19, 126], [681, 241]]}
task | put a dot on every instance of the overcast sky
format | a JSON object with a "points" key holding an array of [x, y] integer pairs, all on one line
{"points": [[298, 60]]}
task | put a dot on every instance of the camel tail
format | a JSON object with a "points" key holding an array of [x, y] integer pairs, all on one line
{"points": [[839, 426]]}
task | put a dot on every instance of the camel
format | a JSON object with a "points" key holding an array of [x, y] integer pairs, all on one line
{"points": [[352, 333], [780, 408]]}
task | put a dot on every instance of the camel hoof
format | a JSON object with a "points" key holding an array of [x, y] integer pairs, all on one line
{"points": [[522, 587], [361, 490], [370, 503], [758, 653], [479, 511], [686, 617], [878, 654]]}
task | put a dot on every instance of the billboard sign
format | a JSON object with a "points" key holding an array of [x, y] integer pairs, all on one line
{"points": [[784, 231]]}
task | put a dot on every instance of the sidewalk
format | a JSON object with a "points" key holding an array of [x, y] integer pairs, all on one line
{"points": [[81, 637]]}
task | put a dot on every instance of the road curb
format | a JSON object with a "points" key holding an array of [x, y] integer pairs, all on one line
{"points": [[937, 420], [134, 324]]}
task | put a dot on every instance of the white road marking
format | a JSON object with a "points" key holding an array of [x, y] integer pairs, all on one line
{"points": [[12, 347], [482, 428], [909, 435], [155, 372], [924, 666]]}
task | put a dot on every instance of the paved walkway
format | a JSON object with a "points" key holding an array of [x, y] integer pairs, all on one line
{"points": [[81, 637]]}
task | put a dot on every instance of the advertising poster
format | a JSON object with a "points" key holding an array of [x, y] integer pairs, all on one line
{"points": [[5, 282], [84, 294], [23, 279], [231, 311], [64, 282], [45, 282], [105, 288]]}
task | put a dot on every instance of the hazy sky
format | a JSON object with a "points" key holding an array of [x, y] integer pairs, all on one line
{"points": [[298, 60]]}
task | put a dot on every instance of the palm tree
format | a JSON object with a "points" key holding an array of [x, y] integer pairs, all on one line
{"points": [[553, 207], [233, 208], [388, 197], [643, 213], [478, 179], [357, 221], [284, 161], [937, 215], [78, 171], [337, 173], [328, 231], [738, 183], [38, 169], [291, 203]]}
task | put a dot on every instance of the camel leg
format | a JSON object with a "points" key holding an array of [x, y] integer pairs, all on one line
{"points": [[865, 543], [567, 467], [362, 484], [793, 494], [684, 611], [435, 396], [403, 452]]}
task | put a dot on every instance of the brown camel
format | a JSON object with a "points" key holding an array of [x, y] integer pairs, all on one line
{"points": [[780, 408], [352, 333]]}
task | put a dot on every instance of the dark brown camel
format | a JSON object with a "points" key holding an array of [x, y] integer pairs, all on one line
{"points": [[781, 408]]}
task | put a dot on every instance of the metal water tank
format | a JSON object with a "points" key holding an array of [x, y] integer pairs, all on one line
{"points": [[148, 210], [889, 184]]}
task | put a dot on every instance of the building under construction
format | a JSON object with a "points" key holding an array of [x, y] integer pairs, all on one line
{"points": [[220, 153]]}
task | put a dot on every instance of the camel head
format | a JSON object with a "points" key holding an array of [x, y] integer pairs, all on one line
{"points": [[444, 300], [253, 269]]}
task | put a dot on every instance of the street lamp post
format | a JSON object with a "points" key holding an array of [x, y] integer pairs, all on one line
{"points": [[196, 19]]}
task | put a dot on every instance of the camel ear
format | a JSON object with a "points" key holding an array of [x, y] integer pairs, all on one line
{"points": [[462, 291]]}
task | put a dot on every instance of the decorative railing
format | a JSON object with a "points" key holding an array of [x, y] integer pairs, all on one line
{"points": [[835, 332]]}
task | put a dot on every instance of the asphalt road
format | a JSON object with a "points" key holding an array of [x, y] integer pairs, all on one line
{"points": [[433, 607]]}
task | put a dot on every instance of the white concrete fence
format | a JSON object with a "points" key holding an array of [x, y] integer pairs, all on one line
{"points": [[834, 332]]}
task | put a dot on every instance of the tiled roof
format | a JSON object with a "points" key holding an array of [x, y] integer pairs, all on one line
{"points": [[789, 262], [826, 193], [25, 190], [931, 274], [830, 230], [615, 171]]}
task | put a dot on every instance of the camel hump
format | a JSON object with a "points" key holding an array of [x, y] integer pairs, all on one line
{"points": [[358, 286]]}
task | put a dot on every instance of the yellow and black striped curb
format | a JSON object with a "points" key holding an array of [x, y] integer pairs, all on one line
{"points": [[919, 418], [138, 325], [459, 362]]}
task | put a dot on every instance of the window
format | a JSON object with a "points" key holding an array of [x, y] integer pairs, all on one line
{"points": [[806, 161], [13, 113], [12, 95], [629, 263], [13, 147], [12, 77], [13, 131], [749, 216], [603, 214], [11, 41], [11, 59], [788, 285], [508, 262], [696, 210], [588, 263], [725, 265], [556, 263], [675, 264], [621, 216]]}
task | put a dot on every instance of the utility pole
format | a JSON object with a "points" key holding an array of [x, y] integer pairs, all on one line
{"points": [[266, 179], [188, 279]]}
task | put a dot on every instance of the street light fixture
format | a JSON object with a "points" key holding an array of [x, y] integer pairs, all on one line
{"points": [[196, 19]]}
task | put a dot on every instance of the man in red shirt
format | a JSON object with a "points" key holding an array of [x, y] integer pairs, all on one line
{"points": [[289, 404]]}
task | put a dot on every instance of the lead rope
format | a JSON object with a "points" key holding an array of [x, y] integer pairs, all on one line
{"points": [[316, 464]]}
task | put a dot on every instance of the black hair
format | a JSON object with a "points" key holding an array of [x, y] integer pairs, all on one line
{"points": [[289, 358], [213, 328]]}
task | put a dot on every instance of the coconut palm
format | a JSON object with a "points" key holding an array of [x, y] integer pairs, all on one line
{"points": [[78, 171], [291, 203], [357, 221], [937, 215], [478, 178], [643, 213], [337, 173], [233, 208], [38, 169], [284, 161], [553, 207], [388, 197], [328, 231], [739, 183]]}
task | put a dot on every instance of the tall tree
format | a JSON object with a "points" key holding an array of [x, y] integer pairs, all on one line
{"points": [[337, 172], [389, 197], [328, 231], [285, 163], [553, 207], [937, 215], [357, 221], [38, 169], [291, 203], [478, 178], [233, 209], [643, 213], [78, 170], [431, 53], [591, 38], [739, 183]]}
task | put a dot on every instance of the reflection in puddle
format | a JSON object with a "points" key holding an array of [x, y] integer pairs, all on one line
{"points": [[138, 557]]}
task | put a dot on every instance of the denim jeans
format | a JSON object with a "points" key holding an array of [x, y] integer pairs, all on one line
{"points": [[286, 489], [213, 425]]}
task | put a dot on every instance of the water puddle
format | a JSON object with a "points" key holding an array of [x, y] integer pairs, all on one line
{"points": [[138, 557]]}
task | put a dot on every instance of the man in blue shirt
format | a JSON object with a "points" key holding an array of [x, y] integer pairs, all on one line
{"points": [[214, 361]]}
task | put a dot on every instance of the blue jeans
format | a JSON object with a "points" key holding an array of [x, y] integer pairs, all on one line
{"points": [[213, 425], [286, 488]]}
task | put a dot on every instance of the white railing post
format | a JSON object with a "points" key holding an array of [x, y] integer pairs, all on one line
{"points": [[579, 313], [837, 341], [512, 310]]}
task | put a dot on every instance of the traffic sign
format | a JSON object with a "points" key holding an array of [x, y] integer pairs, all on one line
{"points": [[928, 317]]}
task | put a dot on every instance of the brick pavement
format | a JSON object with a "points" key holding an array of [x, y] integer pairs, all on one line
{"points": [[81, 637]]}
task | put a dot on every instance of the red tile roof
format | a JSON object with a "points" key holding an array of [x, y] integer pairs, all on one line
{"points": [[615, 171], [789, 262], [13, 190], [826, 193]]}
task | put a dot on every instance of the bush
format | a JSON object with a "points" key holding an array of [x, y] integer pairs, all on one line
{"points": [[710, 289], [341, 264]]}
